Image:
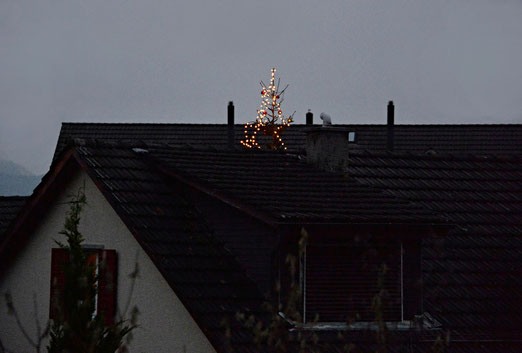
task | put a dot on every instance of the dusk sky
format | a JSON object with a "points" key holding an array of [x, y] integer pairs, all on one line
{"points": [[457, 61]]}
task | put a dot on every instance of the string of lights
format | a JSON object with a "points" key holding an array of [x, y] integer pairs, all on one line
{"points": [[270, 119]]}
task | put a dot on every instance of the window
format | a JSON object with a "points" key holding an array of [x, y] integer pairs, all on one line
{"points": [[106, 296], [351, 136], [341, 278]]}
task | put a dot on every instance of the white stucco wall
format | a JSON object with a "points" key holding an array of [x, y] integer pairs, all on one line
{"points": [[166, 326]]}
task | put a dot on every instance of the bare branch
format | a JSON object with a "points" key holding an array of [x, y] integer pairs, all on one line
{"points": [[3, 349], [284, 89], [133, 276], [35, 307], [12, 311], [40, 335]]}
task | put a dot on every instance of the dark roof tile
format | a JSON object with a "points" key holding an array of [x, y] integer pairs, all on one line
{"points": [[287, 187], [9, 208]]}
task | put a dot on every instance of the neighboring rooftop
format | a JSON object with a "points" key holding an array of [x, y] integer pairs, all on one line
{"points": [[466, 138], [483, 194], [9, 208]]}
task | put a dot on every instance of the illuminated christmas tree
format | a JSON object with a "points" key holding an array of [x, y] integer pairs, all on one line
{"points": [[270, 120]]}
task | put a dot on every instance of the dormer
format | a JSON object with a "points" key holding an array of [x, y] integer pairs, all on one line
{"points": [[356, 273]]}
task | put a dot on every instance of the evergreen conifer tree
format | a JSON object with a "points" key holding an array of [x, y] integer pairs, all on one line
{"points": [[78, 328]]}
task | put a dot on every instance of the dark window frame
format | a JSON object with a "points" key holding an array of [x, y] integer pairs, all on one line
{"points": [[305, 282]]}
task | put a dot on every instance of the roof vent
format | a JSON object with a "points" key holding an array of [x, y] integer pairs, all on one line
{"points": [[327, 120]]}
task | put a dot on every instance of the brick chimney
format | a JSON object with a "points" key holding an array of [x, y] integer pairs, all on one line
{"points": [[327, 147]]}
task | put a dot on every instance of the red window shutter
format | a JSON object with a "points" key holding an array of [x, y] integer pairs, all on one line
{"points": [[58, 258], [107, 285], [341, 282]]}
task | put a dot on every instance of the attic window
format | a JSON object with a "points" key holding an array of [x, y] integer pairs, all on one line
{"points": [[341, 281], [351, 136]]}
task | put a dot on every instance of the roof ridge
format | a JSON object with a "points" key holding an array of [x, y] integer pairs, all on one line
{"points": [[14, 197], [295, 124], [216, 149], [158, 145], [438, 156], [101, 142]]}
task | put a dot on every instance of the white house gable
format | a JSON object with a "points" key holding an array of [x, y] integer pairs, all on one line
{"points": [[164, 323]]}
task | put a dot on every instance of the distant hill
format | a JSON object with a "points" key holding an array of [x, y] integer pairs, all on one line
{"points": [[15, 180]]}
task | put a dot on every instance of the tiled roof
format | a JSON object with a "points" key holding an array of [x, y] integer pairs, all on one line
{"points": [[9, 207], [469, 138], [472, 277], [288, 188], [204, 275]]}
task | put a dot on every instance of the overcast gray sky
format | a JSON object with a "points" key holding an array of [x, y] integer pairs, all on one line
{"points": [[456, 61]]}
